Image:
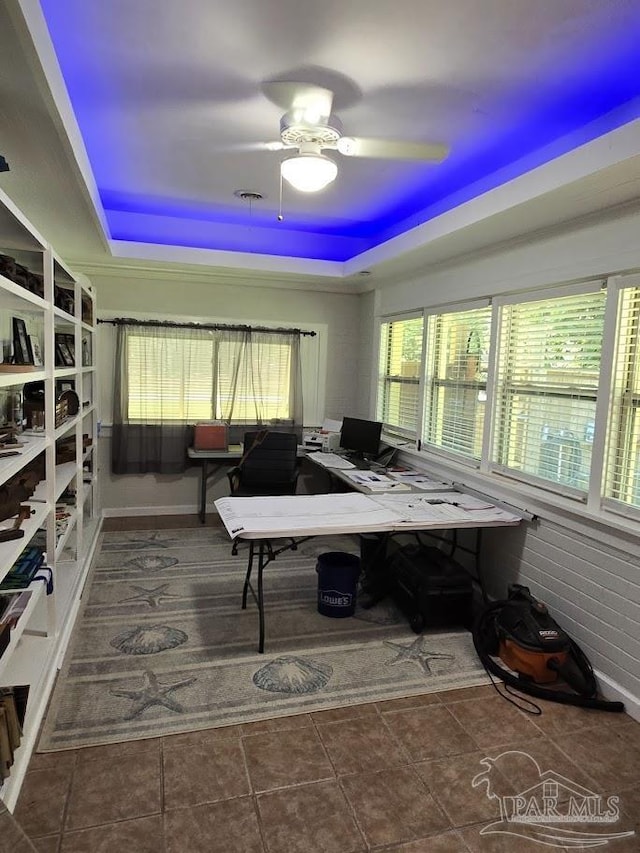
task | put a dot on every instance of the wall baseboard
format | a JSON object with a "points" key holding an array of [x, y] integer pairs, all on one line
{"points": [[130, 511], [613, 691]]}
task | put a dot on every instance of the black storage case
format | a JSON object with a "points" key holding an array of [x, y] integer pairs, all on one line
{"points": [[431, 588]]}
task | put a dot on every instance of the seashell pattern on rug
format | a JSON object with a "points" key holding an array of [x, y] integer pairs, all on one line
{"points": [[152, 561], [289, 674], [149, 640]]}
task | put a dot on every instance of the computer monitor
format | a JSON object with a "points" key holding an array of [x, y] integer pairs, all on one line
{"points": [[360, 437]]}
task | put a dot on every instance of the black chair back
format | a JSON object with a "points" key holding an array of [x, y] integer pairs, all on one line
{"points": [[269, 465]]}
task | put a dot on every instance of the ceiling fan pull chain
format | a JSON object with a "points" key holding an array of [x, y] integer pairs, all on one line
{"points": [[280, 216]]}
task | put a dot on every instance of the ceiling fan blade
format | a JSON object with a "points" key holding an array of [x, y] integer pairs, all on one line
{"points": [[391, 149], [309, 104], [274, 145]]}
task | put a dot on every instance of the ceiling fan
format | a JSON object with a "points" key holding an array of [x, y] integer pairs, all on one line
{"points": [[309, 126]]}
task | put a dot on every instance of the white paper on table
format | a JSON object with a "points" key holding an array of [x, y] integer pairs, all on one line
{"points": [[418, 480], [445, 507], [314, 514], [329, 425]]}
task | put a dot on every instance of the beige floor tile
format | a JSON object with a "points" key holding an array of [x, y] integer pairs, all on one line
{"points": [[144, 835], [605, 755], [230, 826], [557, 718], [277, 724], [204, 774], [408, 702], [48, 844], [448, 842], [309, 818], [393, 806], [429, 732], [13, 839], [349, 712], [522, 764], [360, 745], [45, 760], [450, 781], [105, 790], [43, 799], [277, 759], [484, 691], [200, 737], [492, 721], [496, 842]]}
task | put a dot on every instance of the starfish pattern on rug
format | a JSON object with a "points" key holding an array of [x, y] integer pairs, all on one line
{"points": [[153, 693], [416, 653], [153, 597], [138, 544]]}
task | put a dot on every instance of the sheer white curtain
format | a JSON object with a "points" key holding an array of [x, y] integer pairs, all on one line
{"points": [[169, 376]]}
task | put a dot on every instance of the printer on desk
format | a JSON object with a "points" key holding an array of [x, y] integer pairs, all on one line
{"points": [[325, 441], [326, 438]]}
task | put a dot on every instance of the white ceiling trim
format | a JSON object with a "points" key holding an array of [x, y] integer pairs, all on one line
{"points": [[44, 55]]}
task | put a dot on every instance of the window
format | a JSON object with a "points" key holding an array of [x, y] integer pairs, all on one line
{"points": [[399, 375], [547, 380], [170, 376], [188, 375], [262, 378], [622, 481], [456, 380]]}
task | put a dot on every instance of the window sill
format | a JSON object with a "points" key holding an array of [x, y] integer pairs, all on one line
{"points": [[619, 531]]}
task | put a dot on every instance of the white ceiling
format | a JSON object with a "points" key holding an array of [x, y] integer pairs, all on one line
{"points": [[149, 113]]}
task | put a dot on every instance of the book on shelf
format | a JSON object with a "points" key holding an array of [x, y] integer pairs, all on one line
{"points": [[16, 607], [24, 569], [14, 723], [13, 708], [6, 752]]}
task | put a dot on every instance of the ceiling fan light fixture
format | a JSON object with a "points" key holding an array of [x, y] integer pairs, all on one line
{"points": [[309, 172]]}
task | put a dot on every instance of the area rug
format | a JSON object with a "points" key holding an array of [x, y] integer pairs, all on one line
{"points": [[162, 646]]}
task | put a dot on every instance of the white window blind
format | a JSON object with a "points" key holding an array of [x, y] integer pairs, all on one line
{"points": [[262, 386], [546, 387], [622, 469], [170, 377], [456, 380], [188, 376], [399, 375]]}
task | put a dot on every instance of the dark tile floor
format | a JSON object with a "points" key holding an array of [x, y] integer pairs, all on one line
{"points": [[393, 776]]}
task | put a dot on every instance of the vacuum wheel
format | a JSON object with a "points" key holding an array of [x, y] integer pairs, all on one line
{"points": [[416, 623]]}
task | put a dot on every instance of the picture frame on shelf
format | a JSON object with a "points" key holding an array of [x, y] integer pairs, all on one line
{"points": [[22, 353], [65, 350], [63, 356], [71, 346], [36, 352]]}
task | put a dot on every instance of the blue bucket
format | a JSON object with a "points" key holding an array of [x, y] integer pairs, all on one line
{"points": [[338, 575]]}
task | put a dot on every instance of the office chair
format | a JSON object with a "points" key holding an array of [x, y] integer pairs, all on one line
{"points": [[269, 466]]}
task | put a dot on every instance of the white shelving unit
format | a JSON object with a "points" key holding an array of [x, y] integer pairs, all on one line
{"points": [[61, 304]]}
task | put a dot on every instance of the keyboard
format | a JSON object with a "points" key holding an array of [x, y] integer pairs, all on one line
{"points": [[332, 460]]}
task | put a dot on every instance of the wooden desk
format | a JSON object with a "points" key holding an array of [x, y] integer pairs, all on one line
{"points": [[210, 462]]}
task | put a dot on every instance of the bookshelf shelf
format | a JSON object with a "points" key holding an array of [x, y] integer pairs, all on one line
{"points": [[67, 307]]}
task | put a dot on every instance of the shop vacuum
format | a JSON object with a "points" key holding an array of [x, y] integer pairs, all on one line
{"points": [[519, 642]]}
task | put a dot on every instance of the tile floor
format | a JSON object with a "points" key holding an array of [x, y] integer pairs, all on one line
{"points": [[393, 776], [386, 776]]}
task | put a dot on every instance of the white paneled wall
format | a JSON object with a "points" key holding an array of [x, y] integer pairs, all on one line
{"points": [[592, 590]]}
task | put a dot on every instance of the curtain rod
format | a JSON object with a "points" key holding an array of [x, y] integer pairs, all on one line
{"points": [[130, 321]]}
